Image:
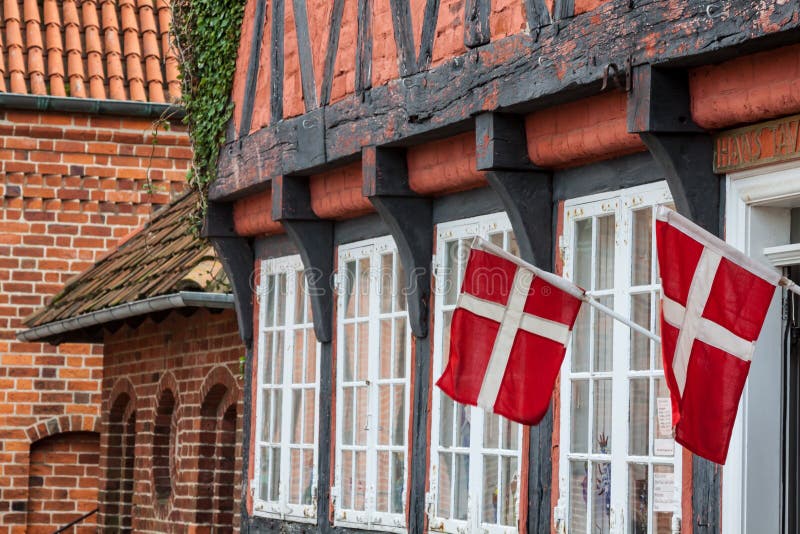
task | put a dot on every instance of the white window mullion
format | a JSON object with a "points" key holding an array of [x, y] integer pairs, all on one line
{"points": [[372, 393], [286, 395]]}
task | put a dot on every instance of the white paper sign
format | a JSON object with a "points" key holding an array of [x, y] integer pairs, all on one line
{"points": [[663, 492], [664, 408], [664, 447]]}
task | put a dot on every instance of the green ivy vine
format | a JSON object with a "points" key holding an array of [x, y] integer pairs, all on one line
{"points": [[206, 34]]}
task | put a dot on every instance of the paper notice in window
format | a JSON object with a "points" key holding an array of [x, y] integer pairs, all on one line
{"points": [[664, 407], [664, 447], [663, 492]]}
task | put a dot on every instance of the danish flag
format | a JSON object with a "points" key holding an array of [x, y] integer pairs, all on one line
{"points": [[714, 302], [508, 335]]}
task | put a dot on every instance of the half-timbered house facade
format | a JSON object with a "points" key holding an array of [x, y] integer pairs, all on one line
{"points": [[373, 139]]}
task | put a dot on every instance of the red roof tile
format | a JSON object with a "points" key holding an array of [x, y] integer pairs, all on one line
{"points": [[77, 47]]}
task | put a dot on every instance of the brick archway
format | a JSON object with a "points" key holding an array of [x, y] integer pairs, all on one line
{"points": [[118, 447], [62, 424]]}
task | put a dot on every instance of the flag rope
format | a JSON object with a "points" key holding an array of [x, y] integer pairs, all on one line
{"points": [[789, 285], [621, 318]]}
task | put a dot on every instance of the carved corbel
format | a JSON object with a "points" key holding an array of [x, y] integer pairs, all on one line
{"points": [[291, 206], [410, 221]]}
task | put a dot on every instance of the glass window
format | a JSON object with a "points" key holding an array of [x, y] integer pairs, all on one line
{"points": [[288, 367], [372, 387], [618, 459], [475, 456]]}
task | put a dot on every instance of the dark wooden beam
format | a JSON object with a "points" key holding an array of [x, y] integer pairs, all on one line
{"points": [[658, 110], [311, 139], [276, 63], [330, 53], [431, 16], [364, 47], [537, 14], [291, 206], [305, 55], [500, 142], [505, 75], [476, 23], [237, 258], [403, 37], [563, 9], [259, 18], [410, 221]]}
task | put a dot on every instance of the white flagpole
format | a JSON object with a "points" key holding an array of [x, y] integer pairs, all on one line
{"points": [[621, 318]]}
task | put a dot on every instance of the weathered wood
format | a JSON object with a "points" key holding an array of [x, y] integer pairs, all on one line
{"points": [[563, 9], [410, 221], [403, 37], [330, 53], [506, 75], [291, 205], [259, 18], [276, 62], [658, 110], [237, 258], [476, 23], [311, 139], [364, 47], [428, 33], [540, 474], [537, 14], [500, 142], [304, 53]]}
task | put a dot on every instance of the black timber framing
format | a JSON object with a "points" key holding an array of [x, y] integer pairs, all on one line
{"points": [[259, 18], [276, 62], [403, 37], [506, 75], [409, 217], [363, 73], [304, 52], [658, 110], [476, 23], [537, 14], [238, 259], [527, 196], [330, 53]]}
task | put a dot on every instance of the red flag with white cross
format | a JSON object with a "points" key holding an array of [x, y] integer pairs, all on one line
{"points": [[508, 335], [714, 302]]}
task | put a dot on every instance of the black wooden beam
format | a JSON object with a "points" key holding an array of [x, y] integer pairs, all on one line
{"points": [[506, 75], [237, 258], [276, 63], [476, 23], [364, 47], [305, 55], [330, 53], [291, 206], [410, 221], [537, 14], [259, 18], [563, 9], [658, 110], [403, 37], [431, 16], [500, 142]]}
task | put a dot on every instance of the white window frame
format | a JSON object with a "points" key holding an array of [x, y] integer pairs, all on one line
{"points": [[369, 519], [464, 228], [291, 267], [621, 203]]}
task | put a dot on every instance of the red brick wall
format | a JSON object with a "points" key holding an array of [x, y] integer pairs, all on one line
{"points": [[196, 360], [70, 187], [63, 481]]}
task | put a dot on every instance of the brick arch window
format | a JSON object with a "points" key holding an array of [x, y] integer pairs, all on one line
{"points": [[217, 456], [164, 448], [120, 446]]}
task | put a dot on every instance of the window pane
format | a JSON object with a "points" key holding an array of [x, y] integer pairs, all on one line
{"points": [[364, 287], [384, 407], [399, 416], [311, 357], [299, 297], [385, 349], [400, 342], [348, 351], [579, 418], [400, 292], [461, 486], [266, 414], [602, 417], [347, 479], [640, 344], [603, 336], [490, 487], [448, 319], [281, 291], [348, 287], [297, 357], [269, 300], [663, 444], [641, 256], [362, 418], [583, 254], [604, 266], [463, 414], [309, 406], [451, 273], [362, 365], [491, 431], [360, 481], [275, 471], [446, 406], [639, 421], [601, 498], [308, 477], [295, 474], [269, 357], [347, 410], [384, 475], [637, 499], [445, 484], [577, 497], [513, 246], [264, 475], [580, 345], [510, 433], [386, 283], [297, 416], [663, 498], [508, 491], [276, 428], [398, 481]]}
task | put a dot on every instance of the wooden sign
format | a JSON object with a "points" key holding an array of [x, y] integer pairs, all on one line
{"points": [[756, 145]]}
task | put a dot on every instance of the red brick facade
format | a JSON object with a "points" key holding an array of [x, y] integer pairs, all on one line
{"points": [[171, 440], [72, 186]]}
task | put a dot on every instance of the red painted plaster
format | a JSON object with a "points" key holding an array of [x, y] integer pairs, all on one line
{"points": [[444, 166], [252, 215], [337, 194]]}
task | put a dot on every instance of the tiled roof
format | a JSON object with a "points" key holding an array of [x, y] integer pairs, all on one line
{"points": [[161, 258], [103, 49]]}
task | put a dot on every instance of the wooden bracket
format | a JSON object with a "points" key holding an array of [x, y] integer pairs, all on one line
{"points": [[291, 205], [238, 259], [659, 111], [410, 221], [500, 143]]}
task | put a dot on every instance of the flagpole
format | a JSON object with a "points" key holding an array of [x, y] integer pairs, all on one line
{"points": [[789, 285], [621, 318]]}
